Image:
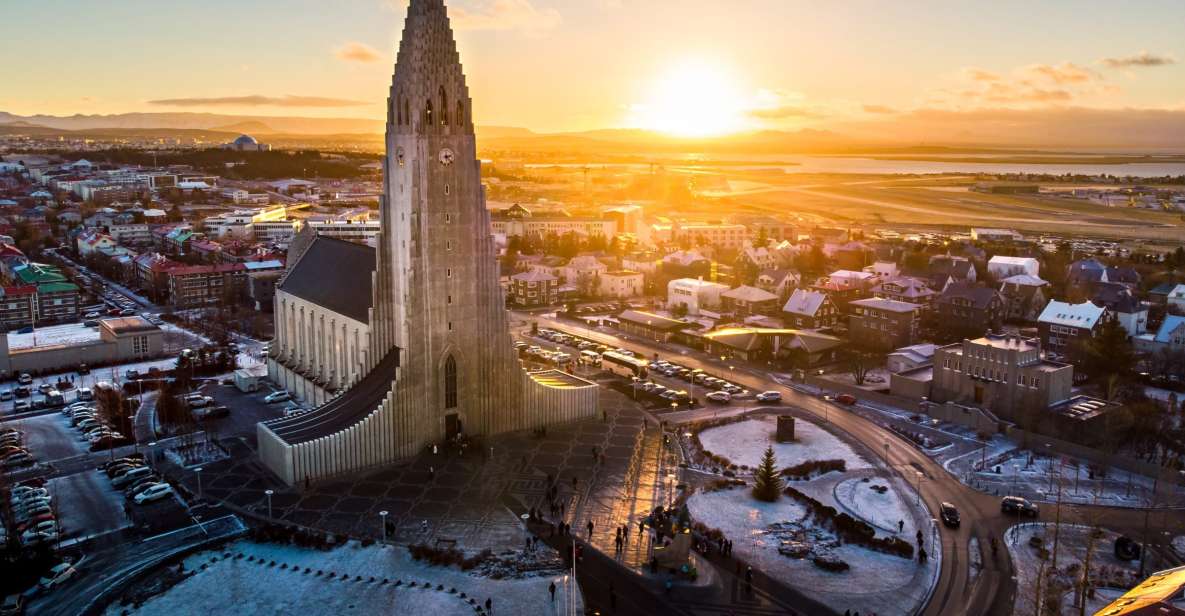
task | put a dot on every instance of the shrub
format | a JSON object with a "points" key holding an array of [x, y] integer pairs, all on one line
{"points": [[852, 530], [809, 468]]}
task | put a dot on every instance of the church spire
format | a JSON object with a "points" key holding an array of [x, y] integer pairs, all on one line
{"points": [[428, 90]]}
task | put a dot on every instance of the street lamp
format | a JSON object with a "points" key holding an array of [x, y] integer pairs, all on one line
{"points": [[670, 489], [383, 517], [269, 501], [198, 470], [634, 379]]}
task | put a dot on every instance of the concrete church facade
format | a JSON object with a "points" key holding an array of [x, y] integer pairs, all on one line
{"points": [[438, 361]]}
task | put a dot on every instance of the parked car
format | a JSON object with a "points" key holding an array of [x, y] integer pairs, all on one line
{"points": [[6, 395], [153, 493], [121, 467], [949, 514], [769, 396], [846, 399], [18, 459], [86, 394], [1019, 506], [25, 379], [130, 475], [277, 396]]}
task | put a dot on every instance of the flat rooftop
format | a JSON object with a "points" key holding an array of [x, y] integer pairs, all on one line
{"points": [[71, 334], [559, 379]]}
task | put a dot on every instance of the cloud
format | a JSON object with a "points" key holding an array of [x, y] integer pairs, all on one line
{"points": [[257, 101], [882, 109], [785, 112], [354, 51], [1000, 92], [504, 15], [1142, 59], [1066, 72], [978, 74]]}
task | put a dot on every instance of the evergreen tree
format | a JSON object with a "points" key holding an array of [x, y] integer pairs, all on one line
{"points": [[767, 484], [1108, 357]]}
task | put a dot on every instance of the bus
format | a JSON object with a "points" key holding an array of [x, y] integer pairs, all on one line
{"points": [[623, 365]]}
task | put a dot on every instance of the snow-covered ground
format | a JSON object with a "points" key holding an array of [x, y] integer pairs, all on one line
{"points": [[881, 508], [744, 442], [1106, 570], [242, 586], [875, 581], [1037, 477], [70, 334]]}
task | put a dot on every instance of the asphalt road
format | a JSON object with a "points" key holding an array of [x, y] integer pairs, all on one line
{"points": [[994, 590]]}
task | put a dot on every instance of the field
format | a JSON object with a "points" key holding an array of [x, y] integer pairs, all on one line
{"points": [[938, 201]]}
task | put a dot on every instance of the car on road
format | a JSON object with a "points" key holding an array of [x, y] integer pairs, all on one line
{"points": [[769, 396], [1019, 506], [949, 514], [56, 576], [13, 605], [25, 379], [846, 399], [719, 397], [277, 396], [153, 493]]}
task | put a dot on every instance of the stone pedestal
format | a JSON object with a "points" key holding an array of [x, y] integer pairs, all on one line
{"points": [[785, 432]]}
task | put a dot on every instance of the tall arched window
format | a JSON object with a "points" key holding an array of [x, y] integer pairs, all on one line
{"points": [[443, 107], [406, 112], [428, 113], [450, 383], [460, 119]]}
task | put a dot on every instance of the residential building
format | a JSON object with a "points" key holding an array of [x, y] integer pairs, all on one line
{"points": [[1001, 267], [967, 311], [905, 289], [1175, 300], [18, 307], [584, 272], [1024, 297], [534, 288], [620, 284], [1170, 336], [686, 264], [1082, 276], [90, 241], [810, 310], [694, 295], [1063, 326], [1122, 304], [113, 341], [747, 301], [780, 282], [883, 324], [719, 235], [130, 234], [1160, 293], [945, 269], [1004, 374], [202, 285]]}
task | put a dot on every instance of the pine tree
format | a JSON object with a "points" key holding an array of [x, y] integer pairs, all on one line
{"points": [[768, 485]]}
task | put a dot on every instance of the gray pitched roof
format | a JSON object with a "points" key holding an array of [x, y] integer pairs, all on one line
{"points": [[334, 274]]}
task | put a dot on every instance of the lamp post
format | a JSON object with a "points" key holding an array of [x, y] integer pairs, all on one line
{"points": [[198, 470], [634, 379], [670, 489], [269, 501], [1057, 518], [383, 518]]}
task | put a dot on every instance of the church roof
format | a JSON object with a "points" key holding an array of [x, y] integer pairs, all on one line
{"points": [[334, 274]]}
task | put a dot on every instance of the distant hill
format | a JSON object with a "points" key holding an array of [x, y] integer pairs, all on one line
{"points": [[201, 121], [254, 127]]}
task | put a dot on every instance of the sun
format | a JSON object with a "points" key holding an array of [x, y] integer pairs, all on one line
{"points": [[695, 98]]}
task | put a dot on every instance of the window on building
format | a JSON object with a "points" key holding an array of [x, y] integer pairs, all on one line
{"points": [[443, 108], [450, 383]]}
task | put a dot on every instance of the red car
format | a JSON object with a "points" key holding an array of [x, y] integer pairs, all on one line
{"points": [[847, 399]]}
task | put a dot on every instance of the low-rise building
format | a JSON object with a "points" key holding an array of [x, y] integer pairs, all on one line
{"points": [[810, 310], [968, 311], [534, 288], [694, 295], [621, 284], [201, 285], [804, 348], [112, 341], [649, 325], [1001, 267], [1004, 374], [1064, 326], [1024, 297], [883, 324], [747, 301], [1175, 299], [780, 282], [906, 289], [18, 307], [910, 357], [1122, 305]]}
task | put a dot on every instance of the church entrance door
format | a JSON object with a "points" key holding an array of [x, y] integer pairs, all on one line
{"points": [[452, 426]]}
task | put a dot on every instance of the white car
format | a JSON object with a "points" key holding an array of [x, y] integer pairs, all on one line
{"points": [[42, 532], [769, 396], [721, 397], [21, 494], [277, 396], [153, 493], [57, 576]]}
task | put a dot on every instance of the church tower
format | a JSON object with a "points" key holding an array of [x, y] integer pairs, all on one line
{"points": [[437, 360], [438, 297]]}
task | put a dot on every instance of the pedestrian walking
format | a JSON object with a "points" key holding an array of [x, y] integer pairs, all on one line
{"points": [[590, 529], [489, 606], [900, 525], [551, 589]]}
